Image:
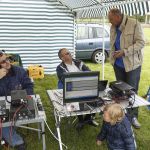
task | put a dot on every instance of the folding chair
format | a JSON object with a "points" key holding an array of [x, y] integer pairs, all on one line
{"points": [[15, 59]]}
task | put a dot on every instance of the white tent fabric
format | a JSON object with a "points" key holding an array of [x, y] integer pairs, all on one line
{"points": [[139, 8], [73, 4], [99, 8], [36, 30]]}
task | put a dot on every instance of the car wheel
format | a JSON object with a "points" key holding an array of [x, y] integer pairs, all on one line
{"points": [[98, 56]]}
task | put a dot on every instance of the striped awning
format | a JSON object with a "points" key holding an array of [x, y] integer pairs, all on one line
{"points": [[99, 8]]}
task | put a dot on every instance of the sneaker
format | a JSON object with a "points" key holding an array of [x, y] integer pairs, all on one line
{"points": [[93, 123], [135, 123]]}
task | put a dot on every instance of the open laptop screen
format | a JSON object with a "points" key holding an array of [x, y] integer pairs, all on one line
{"points": [[80, 86]]}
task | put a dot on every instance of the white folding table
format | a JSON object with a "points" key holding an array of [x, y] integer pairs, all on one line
{"points": [[60, 110]]}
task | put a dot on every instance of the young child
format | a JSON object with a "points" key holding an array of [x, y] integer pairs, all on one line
{"points": [[116, 129]]}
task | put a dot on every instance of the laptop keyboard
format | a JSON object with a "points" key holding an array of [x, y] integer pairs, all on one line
{"points": [[97, 103]]}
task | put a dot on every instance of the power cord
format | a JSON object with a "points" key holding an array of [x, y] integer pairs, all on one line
{"points": [[54, 134]]}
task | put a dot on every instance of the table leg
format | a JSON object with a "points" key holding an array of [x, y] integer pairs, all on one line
{"points": [[39, 133], [43, 134], [57, 119]]}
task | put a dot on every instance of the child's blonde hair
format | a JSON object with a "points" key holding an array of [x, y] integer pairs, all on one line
{"points": [[116, 113]]}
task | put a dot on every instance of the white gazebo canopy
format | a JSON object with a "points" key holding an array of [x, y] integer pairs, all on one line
{"points": [[99, 8]]}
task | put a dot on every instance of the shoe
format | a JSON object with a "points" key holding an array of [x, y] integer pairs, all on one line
{"points": [[79, 126], [20, 147], [93, 123], [135, 123]]}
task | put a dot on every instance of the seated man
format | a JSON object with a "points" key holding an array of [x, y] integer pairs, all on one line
{"points": [[69, 64], [11, 78]]}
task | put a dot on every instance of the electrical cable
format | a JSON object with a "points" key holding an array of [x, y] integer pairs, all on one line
{"points": [[28, 109], [54, 134]]}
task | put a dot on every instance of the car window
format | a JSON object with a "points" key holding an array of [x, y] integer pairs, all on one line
{"points": [[91, 33], [98, 32], [82, 33]]}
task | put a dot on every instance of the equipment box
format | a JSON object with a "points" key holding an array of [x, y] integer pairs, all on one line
{"points": [[36, 72]]}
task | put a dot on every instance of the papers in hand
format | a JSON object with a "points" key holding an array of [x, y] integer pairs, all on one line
{"points": [[72, 106]]}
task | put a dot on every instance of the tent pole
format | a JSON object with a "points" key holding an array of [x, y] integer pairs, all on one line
{"points": [[146, 19], [103, 14], [74, 38]]}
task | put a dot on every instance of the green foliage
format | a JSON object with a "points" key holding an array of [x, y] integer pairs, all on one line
{"points": [[86, 139], [100, 20], [139, 18]]}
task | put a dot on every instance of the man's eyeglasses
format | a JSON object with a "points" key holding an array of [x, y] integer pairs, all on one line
{"points": [[4, 61]]}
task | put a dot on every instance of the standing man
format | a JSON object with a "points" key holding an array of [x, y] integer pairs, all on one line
{"points": [[69, 64], [11, 78], [126, 55]]}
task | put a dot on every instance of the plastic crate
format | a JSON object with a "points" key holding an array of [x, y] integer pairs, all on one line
{"points": [[36, 71]]}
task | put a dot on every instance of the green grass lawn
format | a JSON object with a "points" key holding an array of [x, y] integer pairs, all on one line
{"points": [[86, 139]]}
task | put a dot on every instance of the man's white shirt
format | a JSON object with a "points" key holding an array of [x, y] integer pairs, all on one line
{"points": [[72, 67]]}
